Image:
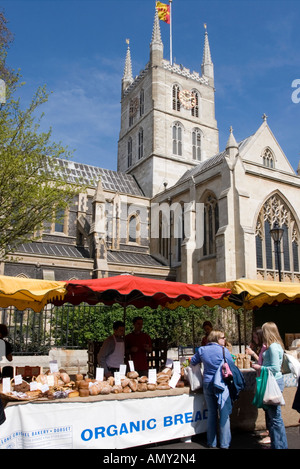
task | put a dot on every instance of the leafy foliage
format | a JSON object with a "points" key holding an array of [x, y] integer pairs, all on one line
{"points": [[80, 324], [32, 188]]}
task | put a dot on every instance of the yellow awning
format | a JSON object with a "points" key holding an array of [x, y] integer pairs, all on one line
{"points": [[29, 293], [256, 293], [251, 294]]}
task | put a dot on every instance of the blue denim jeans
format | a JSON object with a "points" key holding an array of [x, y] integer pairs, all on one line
{"points": [[275, 423], [214, 411]]}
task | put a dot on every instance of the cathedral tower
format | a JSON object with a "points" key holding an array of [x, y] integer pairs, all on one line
{"points": [[167, 118]]}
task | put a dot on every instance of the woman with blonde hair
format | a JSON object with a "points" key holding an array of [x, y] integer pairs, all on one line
{"points": [[211, 355], [272, 359]]}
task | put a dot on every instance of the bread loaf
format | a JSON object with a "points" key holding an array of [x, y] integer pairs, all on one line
{"points": [[142, 387], [133, 384], [151, 386], [73, 394], [65, 378], [116, 389], [163, 386], [143, 379], [125, 382], [83, 384], [94, 390], [126, 389], [132, 374], [111, 380], [84, 392], [106, 389]]}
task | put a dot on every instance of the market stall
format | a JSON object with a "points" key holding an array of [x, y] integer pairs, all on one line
{"points": [[112, 421], [48, 408], [70, 415]]}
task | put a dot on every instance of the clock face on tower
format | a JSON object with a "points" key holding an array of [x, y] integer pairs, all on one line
{"points": [[187, 99]]}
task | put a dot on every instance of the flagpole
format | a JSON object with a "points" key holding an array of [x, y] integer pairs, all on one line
{"points": [[171, 52]]}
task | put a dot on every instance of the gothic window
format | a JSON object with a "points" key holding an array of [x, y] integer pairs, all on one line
{"points": [[59, 224], [275, 210], [129, 152], [268, 158], [196, 144], [195, 109], [142, 102], [141, 144], [175, 98], [211, 225], [177, 139], [130, 114]]}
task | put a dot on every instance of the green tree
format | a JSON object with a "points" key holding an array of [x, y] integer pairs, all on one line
{"points": [[32, 187]]}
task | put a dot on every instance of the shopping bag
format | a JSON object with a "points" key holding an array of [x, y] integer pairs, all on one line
{"points": [[290, 364], [273, 395], [194, 376], [261, 383]]}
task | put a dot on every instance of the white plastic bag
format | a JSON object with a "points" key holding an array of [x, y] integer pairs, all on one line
{"points": [[194, 376], [273, 395], [290, 364]]}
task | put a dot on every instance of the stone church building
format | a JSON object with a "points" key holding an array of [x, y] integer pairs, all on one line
{"points": [[178, 207]]}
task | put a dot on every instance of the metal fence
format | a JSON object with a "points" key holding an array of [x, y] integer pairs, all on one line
{"points": [[35, 333]]}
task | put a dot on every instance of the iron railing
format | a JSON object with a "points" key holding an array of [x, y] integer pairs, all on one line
{"points": [[36, 333]]}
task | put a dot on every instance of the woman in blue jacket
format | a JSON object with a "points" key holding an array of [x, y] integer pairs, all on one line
{"points": [[211, 355]]}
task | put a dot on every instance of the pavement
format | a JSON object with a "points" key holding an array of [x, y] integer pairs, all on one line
{"points": [[240, 440]]}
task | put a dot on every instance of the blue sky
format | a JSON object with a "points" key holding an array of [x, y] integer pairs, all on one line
{"points": [[77, 48]]}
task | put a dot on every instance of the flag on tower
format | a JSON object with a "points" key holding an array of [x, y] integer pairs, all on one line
{"points": [[163, 12]]}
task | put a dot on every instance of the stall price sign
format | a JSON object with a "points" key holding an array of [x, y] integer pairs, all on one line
{"points": [[152, 376], [99, 374]]}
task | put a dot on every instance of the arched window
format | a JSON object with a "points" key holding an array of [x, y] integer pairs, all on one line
{"points": [[268, 158], [141, 144], [142, 102], [129, 152], [196, 144], [273, 211], [132, 229], [175, 98], [177, 139], [211, 225], [195, 110]]}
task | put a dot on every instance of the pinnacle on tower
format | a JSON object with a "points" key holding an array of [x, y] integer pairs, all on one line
{"points": [[127, 76], [156, 45], [207, 67], [231, 142]]}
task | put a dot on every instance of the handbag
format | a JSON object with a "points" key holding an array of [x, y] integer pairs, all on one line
{"points": [[272, 395], [226, 371], [194, 376]]}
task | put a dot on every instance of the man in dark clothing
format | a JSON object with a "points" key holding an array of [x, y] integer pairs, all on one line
{"points": [[5, 351]]}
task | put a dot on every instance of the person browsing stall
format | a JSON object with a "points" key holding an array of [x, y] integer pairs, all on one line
{"points": [[207, 327], [112, 352], [137, 345], [272, 360], [5, 352], [211, 355]]}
